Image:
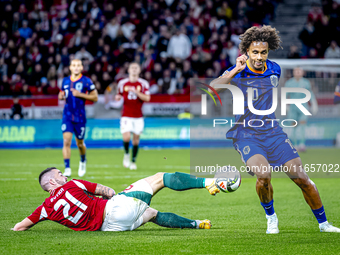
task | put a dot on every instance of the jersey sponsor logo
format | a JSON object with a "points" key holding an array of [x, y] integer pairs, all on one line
{"points": [[66, 86], [58, 194], [274, 80], [128, 188], [67, 207], [204, 98], [246, 150], [250, 82]]}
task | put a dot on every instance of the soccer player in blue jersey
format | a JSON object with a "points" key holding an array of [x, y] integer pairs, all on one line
{"points": [[75, 90], [266, 145]]}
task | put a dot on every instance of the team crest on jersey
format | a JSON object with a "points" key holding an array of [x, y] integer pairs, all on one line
{"points": [[138, 88], [246, 150], [79, 86], [274, 80]]}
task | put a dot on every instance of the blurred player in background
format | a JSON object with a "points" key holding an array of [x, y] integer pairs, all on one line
{"points": [[337, 94], [75, 90], [298, 132], [265, 146], [134, 91]]}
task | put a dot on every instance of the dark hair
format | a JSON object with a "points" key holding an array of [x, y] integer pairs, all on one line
{"points": [[264, 34], [44, 172]]}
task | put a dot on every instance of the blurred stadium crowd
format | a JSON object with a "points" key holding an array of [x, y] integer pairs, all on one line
{"points": [[320, 36], [173, 40]]}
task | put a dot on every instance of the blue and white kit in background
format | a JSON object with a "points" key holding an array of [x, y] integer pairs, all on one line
{"points": [[74, 115], [124, 212], [269, 139]]}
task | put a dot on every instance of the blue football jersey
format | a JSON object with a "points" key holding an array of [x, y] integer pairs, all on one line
{"points": [[262, 83], [74, 109]]}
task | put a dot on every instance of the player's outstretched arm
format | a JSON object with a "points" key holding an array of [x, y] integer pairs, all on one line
{"points": [[141, 95], [226, 78], [118, 97], [24, 225], [92, 96], [104, 191]]}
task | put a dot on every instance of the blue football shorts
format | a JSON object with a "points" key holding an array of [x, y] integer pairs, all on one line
{"points": [[277, 149], [78, 128]]}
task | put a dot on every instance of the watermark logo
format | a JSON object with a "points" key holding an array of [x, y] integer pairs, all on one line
{"points": [[274, 80], [246, 150]]}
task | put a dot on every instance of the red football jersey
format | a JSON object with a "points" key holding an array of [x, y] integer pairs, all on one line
{"points": [[132, 106], [72, 206]]}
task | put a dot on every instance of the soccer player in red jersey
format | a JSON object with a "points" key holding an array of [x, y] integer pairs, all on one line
{"points": [[75, 204], [134, 91]]}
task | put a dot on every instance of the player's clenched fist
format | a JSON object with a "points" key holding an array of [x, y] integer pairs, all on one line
{"points": [[241, 62]]}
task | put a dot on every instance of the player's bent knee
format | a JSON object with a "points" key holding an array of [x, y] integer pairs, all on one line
{"points": [[149, 215]]}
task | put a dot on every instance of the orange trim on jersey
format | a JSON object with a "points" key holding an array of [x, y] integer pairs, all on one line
{"points": [[76, 79], [254, 71], [337, 94]]}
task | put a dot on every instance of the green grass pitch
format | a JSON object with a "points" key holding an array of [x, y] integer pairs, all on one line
{"points": [[239, 222]]}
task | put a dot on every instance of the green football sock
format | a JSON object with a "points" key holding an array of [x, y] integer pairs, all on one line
{"points": [[171, 220], [182, 181]]}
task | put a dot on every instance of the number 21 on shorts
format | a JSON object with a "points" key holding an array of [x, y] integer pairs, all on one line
{"points": [[132, 95]]}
